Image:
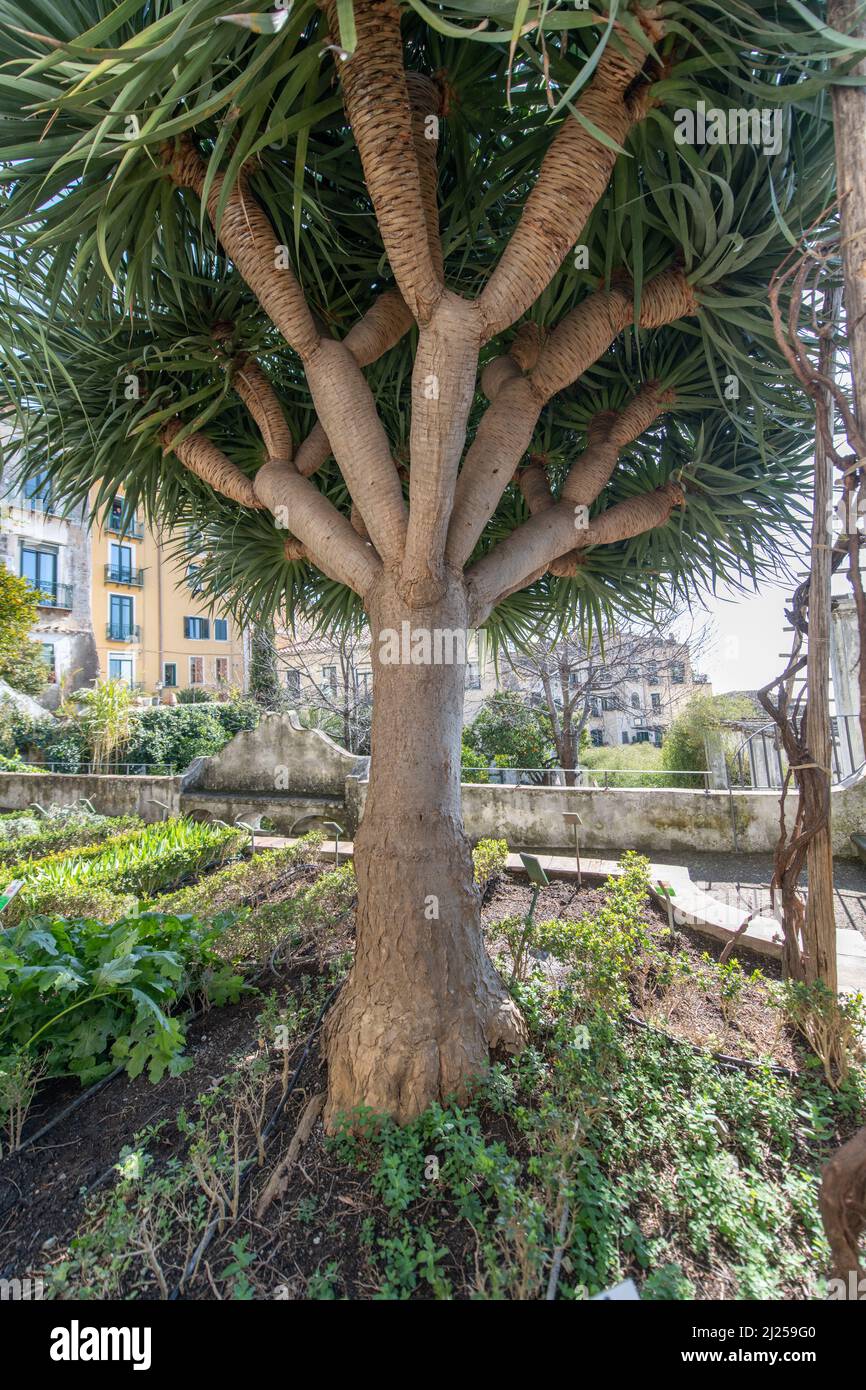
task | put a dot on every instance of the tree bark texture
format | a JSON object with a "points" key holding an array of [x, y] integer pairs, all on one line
{"points": [[423, 1006]]}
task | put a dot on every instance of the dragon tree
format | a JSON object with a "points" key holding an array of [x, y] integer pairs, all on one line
{"points": [[430, 318]]}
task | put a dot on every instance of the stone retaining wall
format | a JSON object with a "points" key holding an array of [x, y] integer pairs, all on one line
{"points": [[285, 772]]}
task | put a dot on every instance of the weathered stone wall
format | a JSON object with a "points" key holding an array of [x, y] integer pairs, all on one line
{"points": [[287, 774], [110, 796], [652, 821], [279, 756]]}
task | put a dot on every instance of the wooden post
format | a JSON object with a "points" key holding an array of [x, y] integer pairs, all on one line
{"points": [[849, 117], [820, 923], [849, 122]]}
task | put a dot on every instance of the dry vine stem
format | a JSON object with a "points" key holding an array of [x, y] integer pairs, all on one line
{"points": [[422, 1008]]}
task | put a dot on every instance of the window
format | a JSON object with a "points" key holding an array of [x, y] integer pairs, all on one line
{"points": [[39, 568], [596, 708], [596, 737], [196, 670], [625, 735], [642, 736], [197, 629], [221, 630], [473, 676], [329, 678], [656, 700], [608, 702], [633, 674], [120, 614], [652, 673], [604, 675], [169, 673], [293, 684], [365, 682], [120, 669], [38, 489], [120, 561], [119, 522], [50, 663], [221, 669], [635, 702], [192, 579], [678, 673]]}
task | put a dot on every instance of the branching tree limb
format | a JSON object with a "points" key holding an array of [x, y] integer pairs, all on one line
{"points": [[506, 429], [208, 462], [528, 551]]}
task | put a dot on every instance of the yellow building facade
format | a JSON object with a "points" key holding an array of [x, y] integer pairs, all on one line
{"points": [[150, 626]]}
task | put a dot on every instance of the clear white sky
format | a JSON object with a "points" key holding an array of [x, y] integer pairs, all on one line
{"points": [[744, 637]]}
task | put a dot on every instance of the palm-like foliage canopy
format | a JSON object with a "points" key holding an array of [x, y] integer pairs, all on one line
{"points": [[113, 280]]}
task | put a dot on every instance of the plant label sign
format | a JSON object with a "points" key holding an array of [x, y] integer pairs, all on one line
{"points": [[9, 893]]}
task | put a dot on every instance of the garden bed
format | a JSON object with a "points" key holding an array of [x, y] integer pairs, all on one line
{"points": [[695, 1177]]}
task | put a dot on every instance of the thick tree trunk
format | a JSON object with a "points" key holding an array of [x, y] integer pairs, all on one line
{"points": [[423, 1006]]}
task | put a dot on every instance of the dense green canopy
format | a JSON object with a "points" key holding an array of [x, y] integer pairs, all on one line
{"points": [[113, 282]]}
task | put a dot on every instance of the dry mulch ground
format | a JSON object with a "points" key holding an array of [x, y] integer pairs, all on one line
{"points": [[692, 1008]]}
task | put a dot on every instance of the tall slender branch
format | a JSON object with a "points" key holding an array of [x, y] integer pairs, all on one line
{"points": [[377, 104], [389, 317], [248, 237], [326, 535], [425, 100], [443, 385], [351, 422], [574, 174], [263, 404], [383, 325]]}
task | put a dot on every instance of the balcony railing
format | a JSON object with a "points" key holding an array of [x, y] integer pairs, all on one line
{"points": [[38, 506], [54, 595], [132, 529], [123, 632], [122, 574]]}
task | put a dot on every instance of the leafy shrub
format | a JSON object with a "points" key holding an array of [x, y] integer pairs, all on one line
{"points": [[506, 728], [46, 740], [600, 950], [833, 1025], [316, 915], [88, 996], [237, 715], [14, 763], [473, 767], [142, 862], [160, 735], [489, 858], [175, 736]]}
